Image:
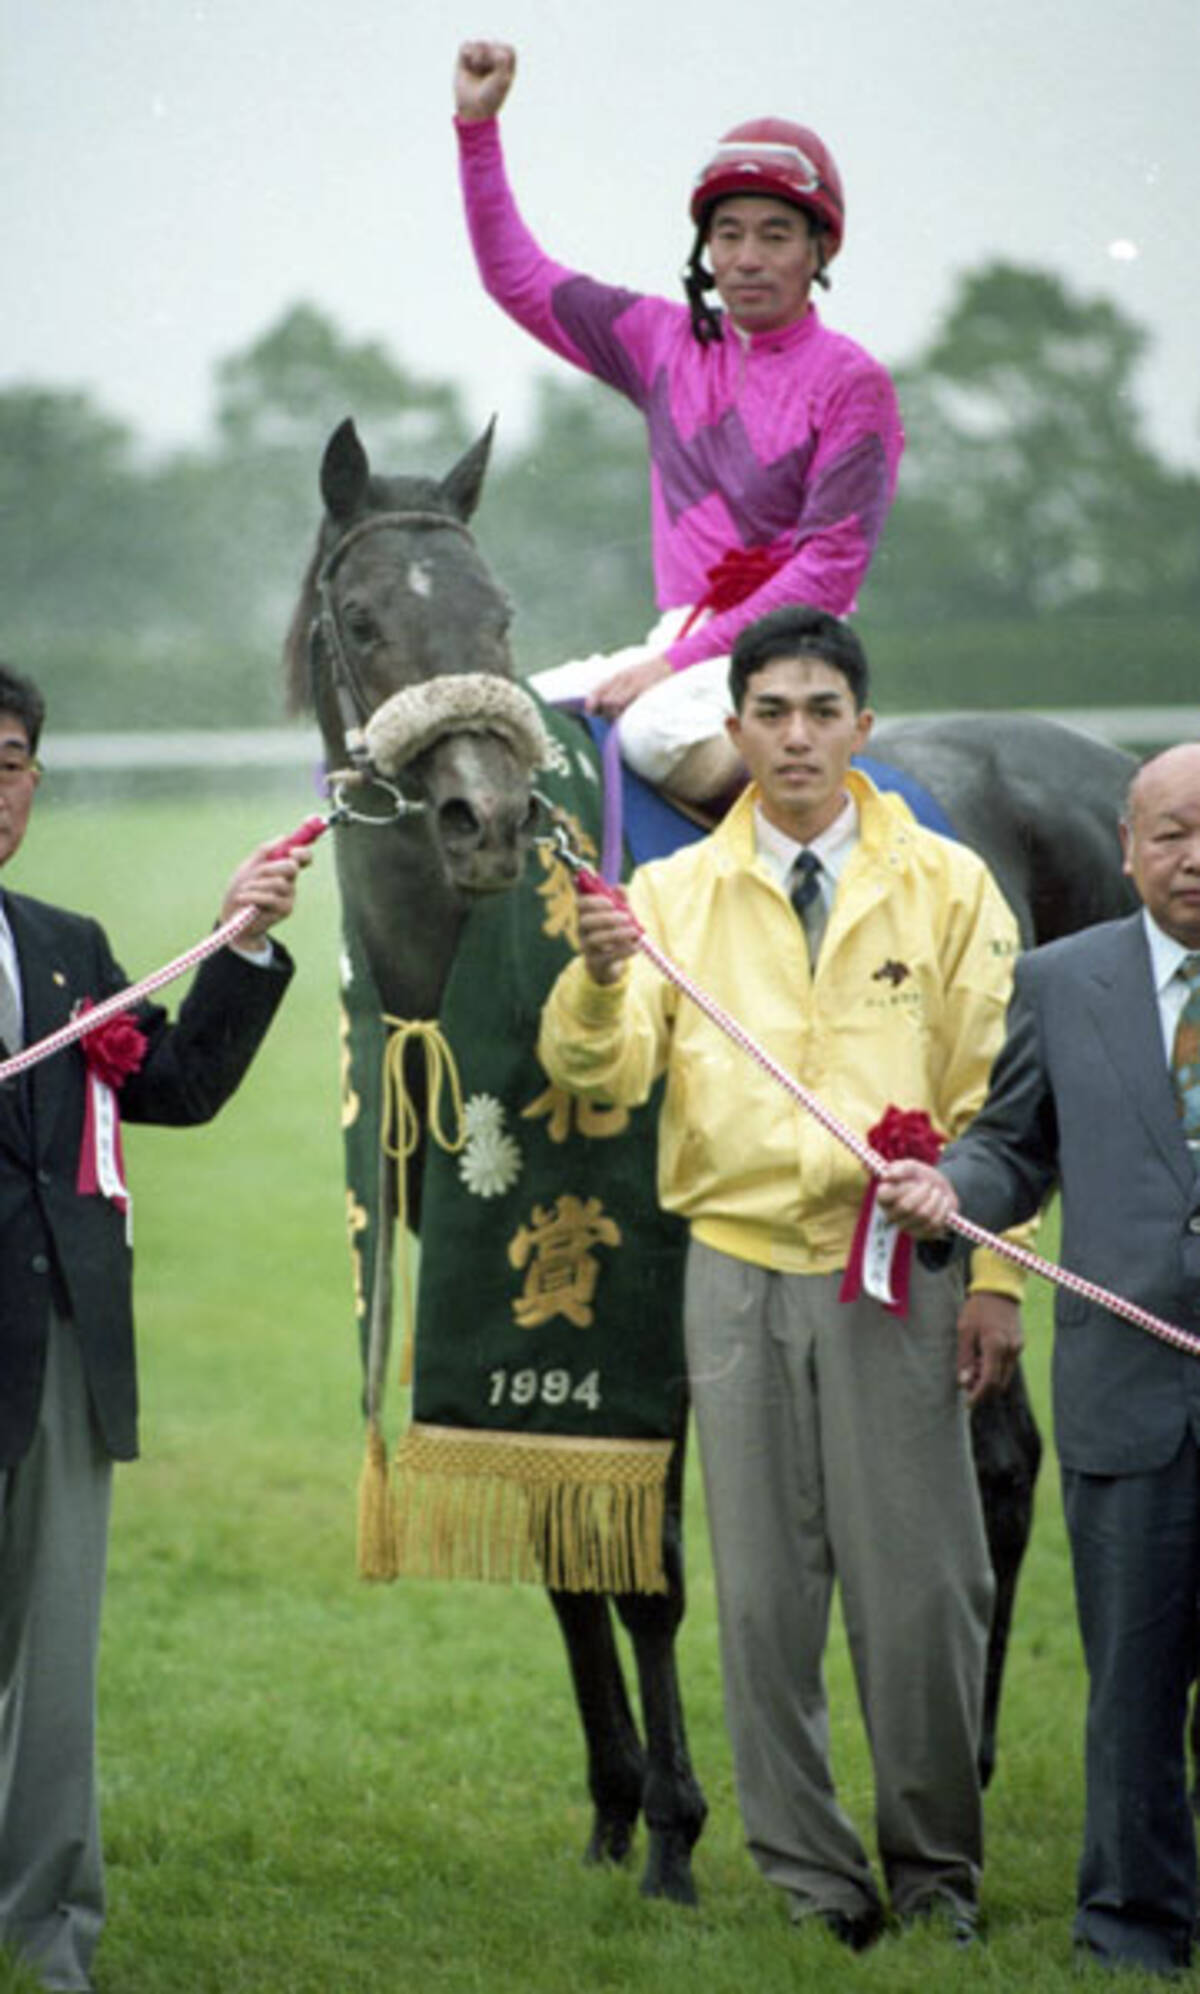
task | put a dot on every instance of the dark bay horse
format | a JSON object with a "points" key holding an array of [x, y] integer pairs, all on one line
{"points": [[397, 595]]}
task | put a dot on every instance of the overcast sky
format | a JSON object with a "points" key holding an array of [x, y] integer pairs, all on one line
{"points": [[175, 173]]}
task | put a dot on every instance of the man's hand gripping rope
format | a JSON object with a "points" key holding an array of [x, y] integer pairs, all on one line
{"points": [[234, 926]]}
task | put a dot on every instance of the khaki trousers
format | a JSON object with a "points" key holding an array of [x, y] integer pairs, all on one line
{"points": [[835, 1448]]}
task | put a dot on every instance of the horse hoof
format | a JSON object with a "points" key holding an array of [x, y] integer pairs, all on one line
{"points": [[668, 1871], [611, 1841]]}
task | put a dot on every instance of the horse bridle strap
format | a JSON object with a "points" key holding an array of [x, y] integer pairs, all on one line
{"points": [[353, 706]]}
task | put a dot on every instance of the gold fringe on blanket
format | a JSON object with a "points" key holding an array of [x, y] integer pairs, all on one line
{"points": [[581, 1515]]}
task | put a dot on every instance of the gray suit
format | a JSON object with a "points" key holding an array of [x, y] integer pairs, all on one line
{"points": [[1080, 1097]]}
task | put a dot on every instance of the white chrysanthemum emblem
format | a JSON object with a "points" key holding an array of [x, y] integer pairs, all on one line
{"points": [[491, 1160], [483, 1115], [490, 1165]]}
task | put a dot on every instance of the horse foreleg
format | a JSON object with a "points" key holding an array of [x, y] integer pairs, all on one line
{"points": [[1008, 1451], [672, 1801], [616, 1763]]}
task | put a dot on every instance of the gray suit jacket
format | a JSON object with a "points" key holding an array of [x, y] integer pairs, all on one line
{"points": [[1080, 1096]]}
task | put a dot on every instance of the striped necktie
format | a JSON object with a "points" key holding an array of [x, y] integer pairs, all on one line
{"points": [[10, 1013], [1185, 1053], [804, 891]]}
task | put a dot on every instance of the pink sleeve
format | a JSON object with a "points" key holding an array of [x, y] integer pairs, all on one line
{"points": [[513, 268]]}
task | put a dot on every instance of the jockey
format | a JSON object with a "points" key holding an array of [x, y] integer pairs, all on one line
{"points": [[774, 442]]}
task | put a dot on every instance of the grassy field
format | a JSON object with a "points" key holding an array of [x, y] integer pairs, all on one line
{"points": [[311, 1785]]}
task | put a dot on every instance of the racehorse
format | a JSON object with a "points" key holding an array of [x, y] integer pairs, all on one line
{"points": [[397, 596]]}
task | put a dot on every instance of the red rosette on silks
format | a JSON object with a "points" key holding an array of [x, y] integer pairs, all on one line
{"points": [[112, 1052], [738, 573], [880, 1254]]}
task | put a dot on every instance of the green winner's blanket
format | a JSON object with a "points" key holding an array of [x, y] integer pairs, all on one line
{"points": [[548, 1376]]}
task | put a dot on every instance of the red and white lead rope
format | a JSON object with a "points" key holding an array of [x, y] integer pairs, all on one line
{"points": [[870, 1159], [87, 1021]]}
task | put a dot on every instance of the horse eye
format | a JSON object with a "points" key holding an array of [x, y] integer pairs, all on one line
{"points": [[361, 624]]}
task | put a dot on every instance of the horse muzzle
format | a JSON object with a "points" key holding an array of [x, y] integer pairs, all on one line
{"points": [[484, 839]]}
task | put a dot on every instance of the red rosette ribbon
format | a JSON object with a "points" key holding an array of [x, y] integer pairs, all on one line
{"points": [[880, 1254], [738, 573], [112, 1052], [115, 1049]]}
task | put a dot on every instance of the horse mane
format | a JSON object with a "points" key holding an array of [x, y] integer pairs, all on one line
{"points": [[297, 680]]}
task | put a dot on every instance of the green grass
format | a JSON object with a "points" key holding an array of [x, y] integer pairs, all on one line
{"points": [[313, 1785]]}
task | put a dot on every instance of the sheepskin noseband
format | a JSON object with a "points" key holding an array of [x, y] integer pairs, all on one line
{"points": [[476, 703]]}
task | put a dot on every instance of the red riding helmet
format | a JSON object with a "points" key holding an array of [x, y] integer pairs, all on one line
{"points": [[774, 156]]}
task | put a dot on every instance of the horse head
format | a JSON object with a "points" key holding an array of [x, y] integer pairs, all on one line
{"points": [[400, 645]]}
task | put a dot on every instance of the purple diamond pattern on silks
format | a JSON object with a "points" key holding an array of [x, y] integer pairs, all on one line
{"points": [[587, 313], [764, 501], [1185, 1053]]}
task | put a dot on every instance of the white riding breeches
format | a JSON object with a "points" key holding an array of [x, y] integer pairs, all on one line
{"points": [[658, 727]]}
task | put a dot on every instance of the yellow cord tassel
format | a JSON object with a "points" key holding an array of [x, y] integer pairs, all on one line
{"points": [[401, 1134], [377, 1553]]}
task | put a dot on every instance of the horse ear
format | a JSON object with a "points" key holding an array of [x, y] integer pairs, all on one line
{"points": [[344, 472], [464, 483]]}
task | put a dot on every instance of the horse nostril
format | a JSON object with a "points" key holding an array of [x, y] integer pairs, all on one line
{"points": [[458, 822]]}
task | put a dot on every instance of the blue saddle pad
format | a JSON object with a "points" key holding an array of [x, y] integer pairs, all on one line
{"points": [[654, 827], [923, 806]]}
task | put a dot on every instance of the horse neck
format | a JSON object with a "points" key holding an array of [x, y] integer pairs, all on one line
{"points": [[396, 900]]}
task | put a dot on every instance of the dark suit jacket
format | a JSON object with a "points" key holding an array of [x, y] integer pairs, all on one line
{"points": [[54, 1241], [1080, 1094]]}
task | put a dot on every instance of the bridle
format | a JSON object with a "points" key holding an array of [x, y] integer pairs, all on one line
{"points": [[353, 706]]}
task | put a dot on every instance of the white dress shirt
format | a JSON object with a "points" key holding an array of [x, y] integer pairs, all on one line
{"points": [[832, 846]]}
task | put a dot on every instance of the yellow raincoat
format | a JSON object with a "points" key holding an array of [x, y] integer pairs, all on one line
{"points": [[906, 1008]]}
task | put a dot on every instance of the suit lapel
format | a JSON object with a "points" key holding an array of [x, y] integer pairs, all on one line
{"points": [[1124, 1010], [49, 993]]}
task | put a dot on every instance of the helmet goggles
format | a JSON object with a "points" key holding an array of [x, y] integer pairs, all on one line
{"points": [[775, 161]]}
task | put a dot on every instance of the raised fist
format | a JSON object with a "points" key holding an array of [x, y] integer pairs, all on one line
{"points": [[483, 78]]}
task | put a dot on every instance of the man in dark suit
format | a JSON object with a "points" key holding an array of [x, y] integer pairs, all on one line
{"points": [[1097, 1090], [68, 1389]]}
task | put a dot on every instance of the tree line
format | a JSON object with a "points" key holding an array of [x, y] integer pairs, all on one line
{"points": [[1039, 551]]}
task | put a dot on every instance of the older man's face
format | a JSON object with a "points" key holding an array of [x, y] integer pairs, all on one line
{"points": [[1161, 841], [18, 781]]}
